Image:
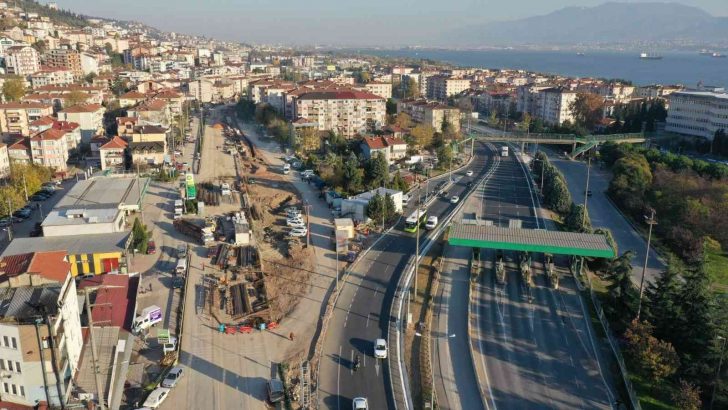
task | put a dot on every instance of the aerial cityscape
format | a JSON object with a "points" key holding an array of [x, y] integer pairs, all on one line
{"points": [[385, 205]]}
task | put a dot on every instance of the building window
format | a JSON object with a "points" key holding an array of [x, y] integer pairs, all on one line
{"points": [[5, 341], [10, 365], [2, 364], [6, 387], [15, 389], [15, 342], [17, 367], [22, 391]]}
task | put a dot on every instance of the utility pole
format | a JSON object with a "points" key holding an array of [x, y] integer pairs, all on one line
{"points": [[586, 189], [99, 388], [25, 188], [10, 225], [650, 221], [139, 190], [417, 252]]}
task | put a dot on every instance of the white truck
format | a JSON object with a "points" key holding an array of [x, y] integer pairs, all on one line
{"points": [[504, 151], [178, 208], [225, 188], [149, 317]]}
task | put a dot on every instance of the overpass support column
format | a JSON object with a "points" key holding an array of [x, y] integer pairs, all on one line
{"points": [[573, 147], [523, 146]]}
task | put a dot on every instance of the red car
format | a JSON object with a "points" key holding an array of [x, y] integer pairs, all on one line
{"points": [[151, 248]]}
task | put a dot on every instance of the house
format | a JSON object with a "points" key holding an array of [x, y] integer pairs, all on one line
{"points": [[89, 117], [4, 161], [152, 112], [131, 98], [113, 153], [51, 76], [21, 60], [40, 328], [15, 118], [49, 148], [430, 113], [355, 207], [392, 148], [20, 151], [440, 87]]}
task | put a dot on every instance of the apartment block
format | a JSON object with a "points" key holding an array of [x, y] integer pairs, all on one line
{"points": [[4, 161], [550, 104], [346, 112], [21, 60], [440, 87], [697, 113], [66, 59], [51, 76], [49, 148], [15, 118], [89, 117], [430, 113], [383, 90]]}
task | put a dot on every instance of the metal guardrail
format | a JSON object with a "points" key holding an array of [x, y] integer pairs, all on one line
{"points": [[517, 136]]}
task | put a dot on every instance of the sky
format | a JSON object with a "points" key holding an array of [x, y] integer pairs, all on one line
{"points": [[338, 22]]}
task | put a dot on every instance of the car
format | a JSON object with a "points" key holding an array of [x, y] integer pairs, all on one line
{"points": [[178, 282], [169, 347], [588, 193], [151, 248], [380, 349], [171, 379], [360, 403], [276, 392], [298, 231], [181, 251], [156, 397], [455, 199], [5, 222], [295, 222], [431, 222], [18, 219], [469, 173]]}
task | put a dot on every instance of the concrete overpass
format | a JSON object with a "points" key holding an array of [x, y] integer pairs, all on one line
{"points": [[579, 144]]}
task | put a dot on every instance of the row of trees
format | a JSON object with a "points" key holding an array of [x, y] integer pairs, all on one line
{"points": [[381, 208], [23, 178]]}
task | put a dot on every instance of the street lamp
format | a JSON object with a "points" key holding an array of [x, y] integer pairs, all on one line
{"points": [[717, 373], [586, 188], [650, 221]]}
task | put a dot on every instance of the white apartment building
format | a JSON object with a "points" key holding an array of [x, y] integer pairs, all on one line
{"points": [[430, 113], [4, 161], [15, 118], [40, 329], [440, 87], [50, 148], [22, 60], [51, 76], [550, 104], [346, 112], [383, 90], [89, 117], [698, 113]]}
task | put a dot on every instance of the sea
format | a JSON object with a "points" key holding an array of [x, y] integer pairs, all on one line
{"points": [[678, 67]]}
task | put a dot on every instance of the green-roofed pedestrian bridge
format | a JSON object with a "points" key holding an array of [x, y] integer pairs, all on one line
{"points": [[530, 240]]}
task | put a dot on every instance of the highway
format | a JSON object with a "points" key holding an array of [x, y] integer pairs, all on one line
{"points": [[533, 347], [362, 312]]}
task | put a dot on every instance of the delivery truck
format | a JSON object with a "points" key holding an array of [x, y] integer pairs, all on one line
{"points": [[148, 317]]}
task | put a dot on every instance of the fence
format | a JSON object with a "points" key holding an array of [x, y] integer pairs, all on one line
{"points": [[613, 343]]}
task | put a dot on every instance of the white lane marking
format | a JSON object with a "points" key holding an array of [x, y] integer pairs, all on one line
{"points": [[482, 359], [368, 315], [351, 370], [338, 377], [596, 355]]}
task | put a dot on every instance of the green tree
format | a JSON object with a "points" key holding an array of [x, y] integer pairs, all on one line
{"points": [[391, 107], [655, 358], [587, 110], [399, 183], [622, 292], [89, 78], [525, 124], [444, 157], [662, 299], [309, 139], [109, 48], [375, 207], [632, 178], [403, 120], [118, 86], [140, 236], [353, 174], [422, 135], [75, 97], [40, 46], [389, 209], [377, 171], [13, 88], [556, 193], [575, 220]]}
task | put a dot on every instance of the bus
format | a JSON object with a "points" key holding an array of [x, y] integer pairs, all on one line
{"points": [[411, 223]]}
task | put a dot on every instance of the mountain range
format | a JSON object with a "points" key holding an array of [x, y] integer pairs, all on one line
{"points": [[612, 22]]}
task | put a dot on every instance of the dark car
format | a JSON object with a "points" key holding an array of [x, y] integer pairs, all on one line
{"points": [[589, 193], [151, 248], [178, 282]]}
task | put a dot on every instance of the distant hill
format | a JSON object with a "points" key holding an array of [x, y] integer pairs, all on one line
{"points": [[609, 22]]}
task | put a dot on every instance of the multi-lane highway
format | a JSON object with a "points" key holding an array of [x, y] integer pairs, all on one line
{"points": [[533, 347], [362, 312]]}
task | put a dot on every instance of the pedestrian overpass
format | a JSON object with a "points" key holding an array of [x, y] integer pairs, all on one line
{"points": [[530, 240], [579, 144]]}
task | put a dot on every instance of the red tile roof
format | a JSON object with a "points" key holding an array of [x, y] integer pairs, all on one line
{"points": [[65, 125], [114, 304], [21, 144], [83, 108], [51, 265], [134, 95], [49, 134], [17, 105], [339, 95], [115, 143], [45, 120]]}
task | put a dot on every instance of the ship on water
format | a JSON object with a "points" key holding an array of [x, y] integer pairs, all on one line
{"points": [[717, 55], [650, 56]]}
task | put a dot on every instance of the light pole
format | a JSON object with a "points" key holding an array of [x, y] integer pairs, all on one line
{"points": [[417, 252], [586, 189], [717, 373], [650, 221]]}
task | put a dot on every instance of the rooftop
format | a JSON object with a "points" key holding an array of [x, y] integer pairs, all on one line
{"points": [[101, 191], [25, 303], [81, 216], [80, 108], [339, 95], [71, 244], [51, 265]]}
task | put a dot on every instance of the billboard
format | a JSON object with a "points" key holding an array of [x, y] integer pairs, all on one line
{"points": [[190, 189]]}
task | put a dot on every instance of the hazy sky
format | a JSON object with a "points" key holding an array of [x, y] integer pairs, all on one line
{"points": [[350, 22]]}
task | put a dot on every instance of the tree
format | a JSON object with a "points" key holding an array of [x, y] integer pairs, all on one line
{"points": [[556, 193], [377, 171], [655, 358], [403, 120], [375, 207], [408, 88], [622, 291], [444, 156], [399, 183], [632, 178], [662, 306], [89, 78], [525, 124], [575, 220], [391, 107], [109, 48], [309, 139], [75, 97], [40, 46], [422, 135], [587, 110], [118, 86], [687, 396], [389, 209], [140, 236], [353, 174], [13, 88]]}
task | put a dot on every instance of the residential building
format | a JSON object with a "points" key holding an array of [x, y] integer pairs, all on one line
{"points": [[19, 151], [697, 113], [4, 161], [40, 329], [21, 60], [49, 148], [113, 153], [89, 117], [431, 113], [346, 112], [65, 58], [51, 76], [148, 144], [201, 90], [383, 90], [15, 118], [440, 87], [392, 148], [552, 105]]}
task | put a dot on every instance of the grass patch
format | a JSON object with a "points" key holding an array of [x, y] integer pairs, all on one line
{"points": [[651, 396], [717, 267]]}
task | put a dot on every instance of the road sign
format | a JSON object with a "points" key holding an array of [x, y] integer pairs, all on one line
{"points": [[190, 186]]}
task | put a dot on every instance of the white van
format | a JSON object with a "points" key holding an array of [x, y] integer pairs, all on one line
{"points": [[181, 266], [431, 223], [286, 169]]}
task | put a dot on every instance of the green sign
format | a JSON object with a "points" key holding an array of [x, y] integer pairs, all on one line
{"points": [[190, 186]]}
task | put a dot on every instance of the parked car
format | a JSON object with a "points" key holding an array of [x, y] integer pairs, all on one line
{"points": [[275, 391], [299, 231], [168, 347], [171, 379], [5, 222], [178, 282], [156, 397], [151, 248], [295, 222]]}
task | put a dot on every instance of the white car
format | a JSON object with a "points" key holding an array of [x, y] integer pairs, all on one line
{"points": [[360, 403], [293, 214], [170, 346], [431, 223], [299, 231], [156, 397], [380, 349], [171, 379], [295, 223], [469, 173], [455, 199]]}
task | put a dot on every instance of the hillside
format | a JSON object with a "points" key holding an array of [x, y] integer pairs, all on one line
{"points": [[606, 23]]}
